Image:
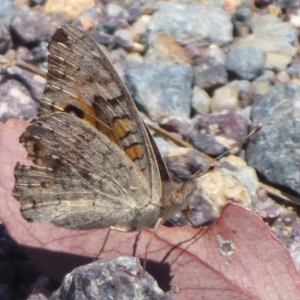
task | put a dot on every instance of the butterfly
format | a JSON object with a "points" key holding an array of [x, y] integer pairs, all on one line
{"points": [[96, 164]]}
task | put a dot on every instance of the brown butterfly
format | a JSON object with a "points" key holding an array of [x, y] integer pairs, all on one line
{"points": [[96, 164]]}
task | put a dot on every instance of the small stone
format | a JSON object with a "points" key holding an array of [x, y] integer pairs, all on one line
{"points": [[23, 53], [246, 92], [109, 26], [113, 10], [161, 89], [34, 27], [261, 88], [246, 63], [277, 61], [136, 47], [16, 101], [203, 25], [134, 60], [227, 124], [224, 97], [206, 143], [71, 8], [139, 27], [184, 162], [231, 5], [9, 9], [242, 20], [121, 278], [134, 12], [200, 101], [220, 187], [123, 37], [283, 77], [268, 76], [164, 48], [215, 52], [101, 38], [5, 39], [37, 2], [209, 73]]}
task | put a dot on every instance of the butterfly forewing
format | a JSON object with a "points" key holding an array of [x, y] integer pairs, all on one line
{"points": [[81, 81]]}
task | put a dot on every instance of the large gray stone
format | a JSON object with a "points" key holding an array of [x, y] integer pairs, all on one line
{"points": [[121, 278], [191, 24], [246, 63], [162, 89], [274, 151]]}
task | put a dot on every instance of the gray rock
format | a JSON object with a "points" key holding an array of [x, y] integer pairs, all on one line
{"points": [[101, 37], [275, 37], [242, 18], [5, 39], [227, 125], [20, 94], [274, 151], [123, 38], [121, 278], [161, 89], [34, 27], [270, 25], [9, 9], [294, 71], [206, 143], [246, 63], [200, 101], [209, 73], [113, 10], [200, 25], [245, 90], [266, 76]]}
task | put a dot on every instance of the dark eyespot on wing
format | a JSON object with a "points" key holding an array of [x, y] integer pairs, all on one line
{"points": [[73, 110]]}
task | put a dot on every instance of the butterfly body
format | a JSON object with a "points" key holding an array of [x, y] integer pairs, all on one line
{"points": [[95, 163]]}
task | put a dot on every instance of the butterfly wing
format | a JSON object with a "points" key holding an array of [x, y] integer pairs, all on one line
{"points": [[80, 179], [82, 81], [74, 180]]}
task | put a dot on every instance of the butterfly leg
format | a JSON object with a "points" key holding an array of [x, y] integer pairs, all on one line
{"points": [[157, 224], [103, 245], [106, 238]]}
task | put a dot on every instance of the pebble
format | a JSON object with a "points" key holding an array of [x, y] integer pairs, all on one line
{"points": [[209, 73], [34, 27], [171, 95], [139, 27], [246, 62], [200, 101], [164, 48], [201, 24], [71, 8], [123, 38], [224, 97]]}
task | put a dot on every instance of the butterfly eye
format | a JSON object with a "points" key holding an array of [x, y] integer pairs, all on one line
{"points": [[74, 111]]}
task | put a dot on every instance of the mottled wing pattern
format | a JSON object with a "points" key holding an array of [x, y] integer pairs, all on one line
{"points": [[80, 179], [94, 162], [82, 81]]}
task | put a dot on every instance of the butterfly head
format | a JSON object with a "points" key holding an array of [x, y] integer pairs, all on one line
{"points": [[176, 197]]}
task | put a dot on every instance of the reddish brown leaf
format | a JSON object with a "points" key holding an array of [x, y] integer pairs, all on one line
{"points": [[237, 258]]}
